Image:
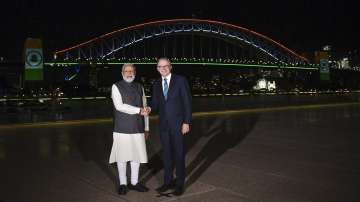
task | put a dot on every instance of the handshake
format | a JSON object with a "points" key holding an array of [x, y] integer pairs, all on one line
{"points": [[145, 111]]}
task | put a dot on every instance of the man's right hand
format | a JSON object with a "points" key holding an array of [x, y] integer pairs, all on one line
{"points": [[145, 111], [148, 110]]}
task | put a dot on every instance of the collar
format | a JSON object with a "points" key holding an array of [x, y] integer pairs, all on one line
{"points": [[168, 77]]}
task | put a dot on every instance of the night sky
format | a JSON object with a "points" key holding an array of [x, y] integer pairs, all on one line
{"points": [[300, 25]]}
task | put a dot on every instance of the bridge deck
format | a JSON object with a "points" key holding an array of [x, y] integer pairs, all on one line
{"points": [[291, 155]]}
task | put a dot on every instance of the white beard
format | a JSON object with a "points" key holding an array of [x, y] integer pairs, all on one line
{"points": [[129, 80]]}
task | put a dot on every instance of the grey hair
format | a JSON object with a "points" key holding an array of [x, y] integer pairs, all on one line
{"points": [[128, 64], [165, 58]]}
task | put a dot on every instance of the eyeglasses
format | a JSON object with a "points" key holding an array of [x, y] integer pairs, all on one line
{"points": [[164, 66]]}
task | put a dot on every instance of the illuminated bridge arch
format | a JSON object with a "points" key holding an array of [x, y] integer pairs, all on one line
{"points": [[106, 45]]}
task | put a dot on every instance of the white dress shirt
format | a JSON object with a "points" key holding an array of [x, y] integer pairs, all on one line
{"points": [[168, 79]]}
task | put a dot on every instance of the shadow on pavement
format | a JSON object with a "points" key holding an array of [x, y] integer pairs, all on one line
{"points": [[220, 133]]}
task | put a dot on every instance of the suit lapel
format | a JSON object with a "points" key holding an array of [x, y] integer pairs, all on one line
{"points": [[172, 84], [161, 92]]}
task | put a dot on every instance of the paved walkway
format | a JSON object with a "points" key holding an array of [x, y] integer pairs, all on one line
{"points": [[293, 154]]}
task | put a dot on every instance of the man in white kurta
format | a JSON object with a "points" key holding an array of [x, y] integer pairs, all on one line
{"points": [[129, 146]]}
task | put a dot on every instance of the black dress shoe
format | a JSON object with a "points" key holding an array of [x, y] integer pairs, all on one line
{"points": [[178, 191], [138, 187], [122, 189], [165, 187]]}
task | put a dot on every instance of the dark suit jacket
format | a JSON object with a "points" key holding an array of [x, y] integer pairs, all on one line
{"points": [[176, 109]]}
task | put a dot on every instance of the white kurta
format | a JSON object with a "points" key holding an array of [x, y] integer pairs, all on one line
{"points": [[128, 147]]}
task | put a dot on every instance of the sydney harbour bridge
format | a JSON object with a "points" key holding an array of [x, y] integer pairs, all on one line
{"points": [[185, 41]]}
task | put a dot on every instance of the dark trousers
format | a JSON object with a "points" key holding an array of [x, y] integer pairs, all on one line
{"points": [[173, 153]]}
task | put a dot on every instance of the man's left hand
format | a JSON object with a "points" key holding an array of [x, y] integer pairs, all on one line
{"points": [[185, 128]]}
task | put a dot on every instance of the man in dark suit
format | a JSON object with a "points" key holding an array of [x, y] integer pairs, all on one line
{"points": [[172, 100]]}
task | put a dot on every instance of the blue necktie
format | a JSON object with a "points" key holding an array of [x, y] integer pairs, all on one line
{"points": [[166, 88]]}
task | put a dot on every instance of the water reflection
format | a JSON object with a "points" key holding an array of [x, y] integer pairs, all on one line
{"points": [[85, 109]]}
